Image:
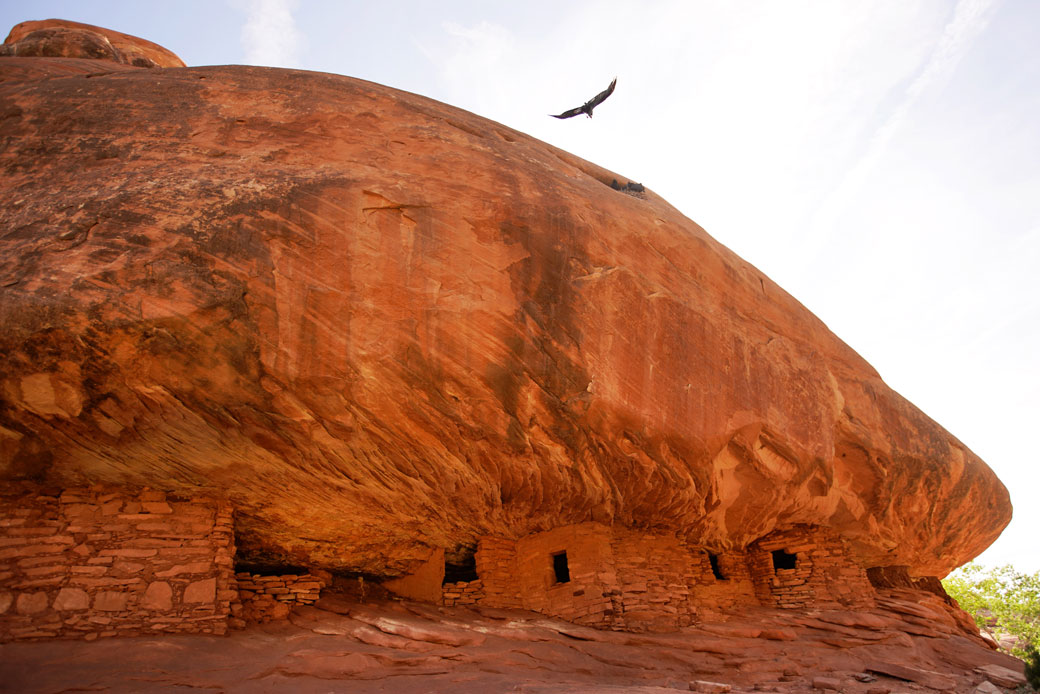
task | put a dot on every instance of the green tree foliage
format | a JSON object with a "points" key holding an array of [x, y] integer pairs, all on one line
{"points": [[1033, 667], [1002, 601]]}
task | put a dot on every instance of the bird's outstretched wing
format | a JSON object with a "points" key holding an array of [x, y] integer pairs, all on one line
{"points": [[568, 114], [592, 103], [602, 96]]}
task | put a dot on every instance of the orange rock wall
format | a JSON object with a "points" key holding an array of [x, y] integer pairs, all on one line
{"points": [[824, 573], [381, 325], [92, 563], [424, 583]]}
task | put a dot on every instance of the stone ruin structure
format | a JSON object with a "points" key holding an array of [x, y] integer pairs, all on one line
{"points": [[92, 562], [630, 580], [258, 317]]}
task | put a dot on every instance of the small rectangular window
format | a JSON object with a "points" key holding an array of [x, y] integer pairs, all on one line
{"points": [[713, 559], [784, 560], [563, 573]]}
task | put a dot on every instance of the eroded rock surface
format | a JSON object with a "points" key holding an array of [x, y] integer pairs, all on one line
{"points": [[380, 646], [59, 38], [383, 326]]}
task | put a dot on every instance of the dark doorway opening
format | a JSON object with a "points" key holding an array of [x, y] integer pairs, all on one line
{"points": [[713, 559], [784, 560], [462, 566], [560, 568]]}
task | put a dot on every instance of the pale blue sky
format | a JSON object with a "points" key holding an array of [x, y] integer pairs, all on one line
{"points": [[880, 161]]}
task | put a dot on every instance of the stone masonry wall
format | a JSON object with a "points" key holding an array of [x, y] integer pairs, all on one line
{"points": [[655, 576], [463, 593], [824, 574], [266, 598], [666, 584], [711, 595], [591, 596], [98, 562], [496, 569], [639, 581]]}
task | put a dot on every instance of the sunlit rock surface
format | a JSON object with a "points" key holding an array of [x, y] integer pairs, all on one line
{"points": [[382, 326], [59, 38]]}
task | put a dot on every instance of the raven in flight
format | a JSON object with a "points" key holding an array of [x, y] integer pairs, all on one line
{"points": [[592, 103]]}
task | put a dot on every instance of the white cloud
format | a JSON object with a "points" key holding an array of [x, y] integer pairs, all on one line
{"points": [[270, 36], [967, 23], [478, 55]]}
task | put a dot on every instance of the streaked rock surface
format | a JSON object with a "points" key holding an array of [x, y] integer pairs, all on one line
{"points": [[381, 325], [912, 642]]}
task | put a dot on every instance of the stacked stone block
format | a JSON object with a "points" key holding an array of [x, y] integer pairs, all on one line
{"points": [[639, 581], [496, 567], [98, 562], [713, 596], [655, 577], [463, 593], [823, 575], [591, 596], [266, 598]]}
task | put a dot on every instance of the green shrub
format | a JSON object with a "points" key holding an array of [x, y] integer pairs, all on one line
{"points": [[1001, 600], [1033, 667]]}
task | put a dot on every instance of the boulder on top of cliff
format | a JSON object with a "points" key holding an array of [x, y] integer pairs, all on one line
{"points": [[382, 325], [59, 38]]}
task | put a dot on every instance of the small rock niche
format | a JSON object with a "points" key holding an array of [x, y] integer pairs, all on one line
{"points": [[462, 584], [561, 570], [716, 570], [784, 560], [462, 567]]}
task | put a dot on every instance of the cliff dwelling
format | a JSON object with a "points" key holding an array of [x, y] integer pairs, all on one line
{"points": [[93, 562]]}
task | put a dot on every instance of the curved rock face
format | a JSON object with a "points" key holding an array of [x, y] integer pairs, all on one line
{"points": [[59, 38], [381, 325]]}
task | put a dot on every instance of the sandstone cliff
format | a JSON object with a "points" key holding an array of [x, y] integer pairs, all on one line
{"points": [[381, 325]]}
